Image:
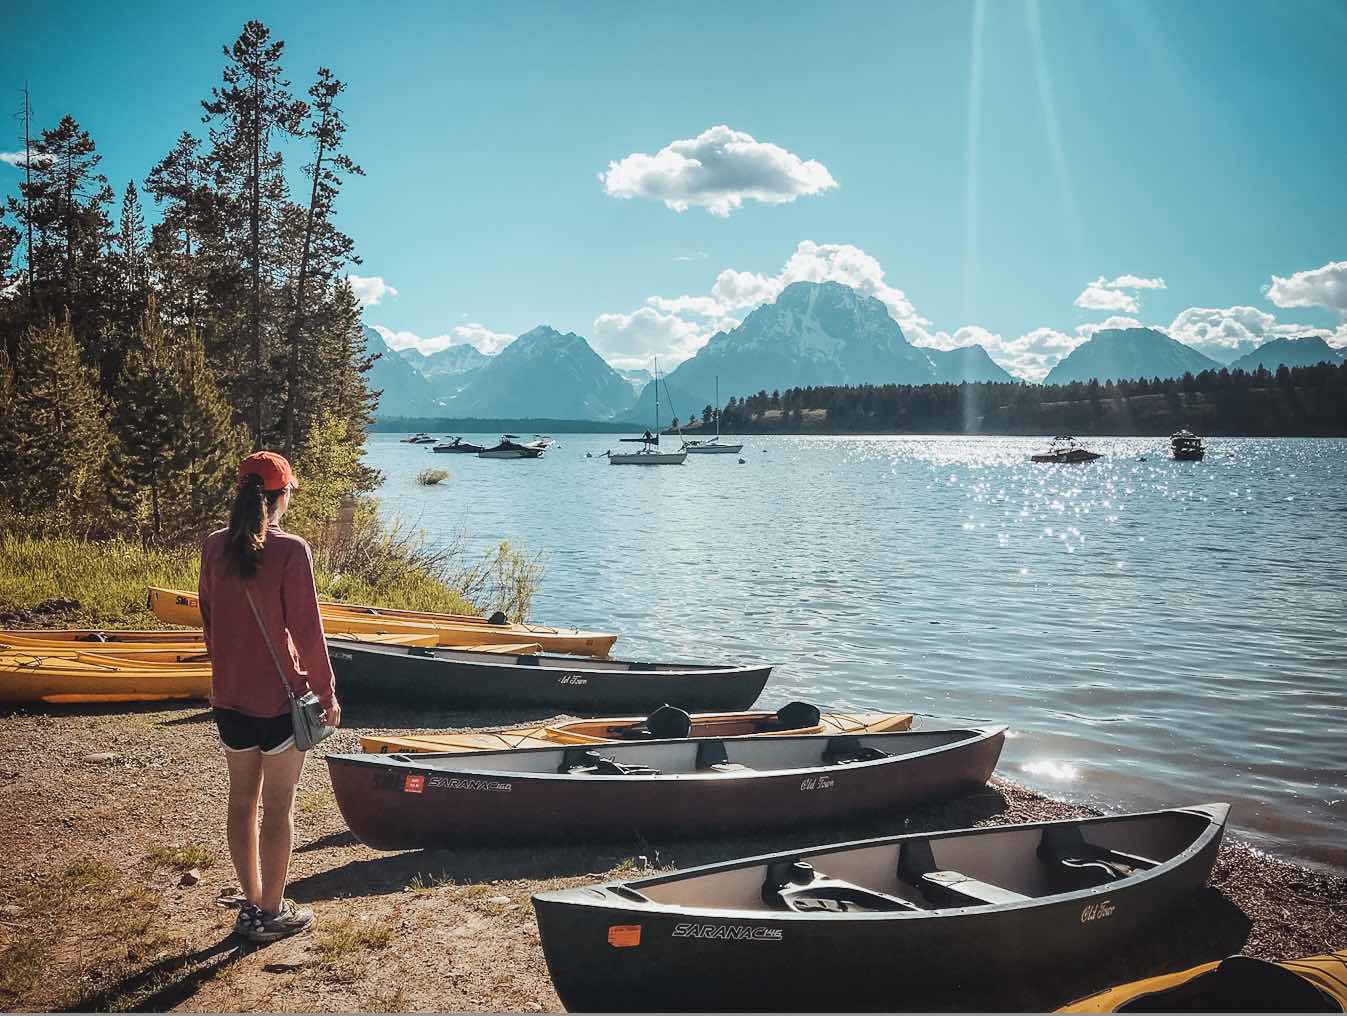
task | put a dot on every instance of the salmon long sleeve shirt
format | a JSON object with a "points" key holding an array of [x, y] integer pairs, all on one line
{"points": [[243, 674]]}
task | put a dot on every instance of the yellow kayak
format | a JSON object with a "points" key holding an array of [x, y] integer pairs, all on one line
{"points": [[1235, 984], [52, 680], [117, 642], [178, 606], [622, 728]]}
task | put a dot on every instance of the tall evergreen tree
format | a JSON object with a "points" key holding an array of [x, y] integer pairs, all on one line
{"points": [[247, 113], [209, 443], [63, 440], [131, 240], [324, 249], [148, 408], [177, 242]]}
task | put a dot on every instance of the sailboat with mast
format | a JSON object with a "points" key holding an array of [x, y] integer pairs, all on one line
{"points": [[648, 455], [712, 445]]}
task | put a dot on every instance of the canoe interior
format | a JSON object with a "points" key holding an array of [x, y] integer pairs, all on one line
{"points": [[761, 755], [738, 724], [1000, 865], [542, 661]]}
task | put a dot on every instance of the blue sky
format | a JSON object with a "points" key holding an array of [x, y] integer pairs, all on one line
{"points": [[974, 165]]}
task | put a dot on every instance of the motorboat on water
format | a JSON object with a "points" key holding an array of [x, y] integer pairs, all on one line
{"points": [[422, 438], [712, 445], [1065, 450], [543, 441], [511, 448], [647, 454], [459, 446], [1186, 446]]}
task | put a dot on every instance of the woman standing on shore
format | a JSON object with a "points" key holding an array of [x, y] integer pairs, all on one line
{"points": [[248, 642]]}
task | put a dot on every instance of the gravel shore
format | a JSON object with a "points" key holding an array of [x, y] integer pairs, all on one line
{"points": [[116, 865]]}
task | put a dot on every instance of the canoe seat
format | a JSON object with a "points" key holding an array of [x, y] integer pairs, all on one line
{"points": [[588, 762], [791, 716], [711, 757], [796, 886], [669, 722], [1075, 863], [955, 889], [844, 750]]}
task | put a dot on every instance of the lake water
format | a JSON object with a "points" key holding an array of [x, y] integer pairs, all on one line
{"points": [[1154, 632]]}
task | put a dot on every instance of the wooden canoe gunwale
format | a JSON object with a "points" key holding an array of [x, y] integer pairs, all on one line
{"points": [[1216, 821], [414, 762]]}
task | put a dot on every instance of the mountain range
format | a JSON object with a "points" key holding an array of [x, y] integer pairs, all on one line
{"points": [[812, 334]]}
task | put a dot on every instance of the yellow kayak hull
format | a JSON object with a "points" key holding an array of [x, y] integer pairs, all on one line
{"points": [[1327, 973], [177, 606], [607, 729], [58, 681], [180, 641]]}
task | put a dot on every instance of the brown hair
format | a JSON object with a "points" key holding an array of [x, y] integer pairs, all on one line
{"points": [[248, 526]]}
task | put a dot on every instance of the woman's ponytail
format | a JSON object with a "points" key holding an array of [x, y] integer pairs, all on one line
{"points": [[248, 526]]}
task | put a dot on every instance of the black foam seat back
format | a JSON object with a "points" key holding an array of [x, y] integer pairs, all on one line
{"points": [[711, 753], [794, 715], [669, 722]]}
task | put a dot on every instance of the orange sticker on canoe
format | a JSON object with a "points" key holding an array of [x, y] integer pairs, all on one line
{"points": [[624, 936], [414, 784]]}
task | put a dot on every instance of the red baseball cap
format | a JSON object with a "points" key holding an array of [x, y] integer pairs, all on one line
{"points": [[273, 469]]}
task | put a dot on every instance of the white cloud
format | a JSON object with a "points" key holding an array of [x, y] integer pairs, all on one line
{"points": [[1030, 356], [1227, 333], [633, 340], [1105, 294], [370, 289], [696, 255], [17, 159], [1136, 282], [718, 170], [1319, 287], [1099, 295], [486, 340]]}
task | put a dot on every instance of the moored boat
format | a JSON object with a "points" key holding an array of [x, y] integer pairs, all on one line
{"points": [[959, 909], [459, 447], [179, 606], [453, 678], [1234, 984], [1185, 446], [511, 449], [1067, 451], [646, 455], [422, 438], [712, 445], [682, 788], [794, 718]]}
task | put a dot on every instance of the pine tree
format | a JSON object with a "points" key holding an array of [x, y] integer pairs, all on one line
{"points": [[324, 249], [148, 407], [209, 447], [252, 108], [131, 239], [178, 249], [63, 441]]}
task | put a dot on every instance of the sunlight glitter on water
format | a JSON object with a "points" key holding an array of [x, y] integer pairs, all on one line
{"points": [[928, 575]]}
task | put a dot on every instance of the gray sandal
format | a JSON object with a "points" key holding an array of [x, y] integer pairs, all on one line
{"points": [[261, 926]]}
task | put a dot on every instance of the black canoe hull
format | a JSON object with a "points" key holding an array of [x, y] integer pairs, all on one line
{"points": [[464, 680], [401, 805], [698, 960]]}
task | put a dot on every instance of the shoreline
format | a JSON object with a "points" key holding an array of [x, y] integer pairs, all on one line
{"points": [[130, 807]]}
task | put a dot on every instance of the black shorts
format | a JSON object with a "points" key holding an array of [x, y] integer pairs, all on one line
{"points": [[270, 735]]}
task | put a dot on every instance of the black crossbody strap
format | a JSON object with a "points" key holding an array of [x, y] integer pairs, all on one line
{"points": [[290, 692]]}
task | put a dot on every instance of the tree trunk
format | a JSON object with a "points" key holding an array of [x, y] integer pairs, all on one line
{"points": [[256, 228], [296, 324]]}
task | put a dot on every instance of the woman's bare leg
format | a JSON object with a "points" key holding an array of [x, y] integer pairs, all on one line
{"points": [[280, 776], [245, 787]]}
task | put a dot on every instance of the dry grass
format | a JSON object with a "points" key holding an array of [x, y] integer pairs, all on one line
{"points": [[180, 857], [430, 477], [345, 945], [22, 963]]}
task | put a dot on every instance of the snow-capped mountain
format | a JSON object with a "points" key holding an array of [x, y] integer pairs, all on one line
{"points": [[544, 373], [452, 361], [406, 392], [1126, 353], [636, 377], [819, 333], [1302, 352]]}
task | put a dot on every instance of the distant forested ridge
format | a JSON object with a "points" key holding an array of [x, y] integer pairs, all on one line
{"points": [[137, 363], [1295, 401]]}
